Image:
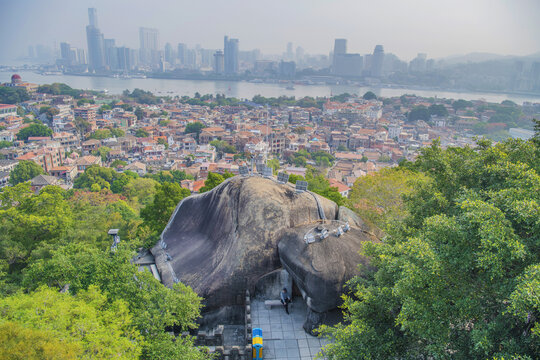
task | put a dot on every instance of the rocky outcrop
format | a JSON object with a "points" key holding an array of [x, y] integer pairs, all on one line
{"points": [[221, 242], [236, 237]]}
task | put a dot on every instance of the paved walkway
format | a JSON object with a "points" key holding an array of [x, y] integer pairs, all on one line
{"points": [[283, 335]]}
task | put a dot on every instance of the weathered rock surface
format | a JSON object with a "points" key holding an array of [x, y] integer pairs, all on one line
{"points": [[222, 241], [322, 268]]}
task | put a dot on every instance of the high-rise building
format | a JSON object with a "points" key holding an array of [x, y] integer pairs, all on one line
{"points": [[299, 54], [230, 50], [287, 69], [92, 17], [377, 61], [348, 65], [94, 39], [81, 57], [344, 64], [169, 54], [149, 46], [340, 48], [219, 62], [181, 53], [109, 48], [65, 49], [418, 64], [289, 55]]}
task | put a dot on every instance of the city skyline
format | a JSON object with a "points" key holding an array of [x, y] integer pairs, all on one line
{"points": [[513, 34]]}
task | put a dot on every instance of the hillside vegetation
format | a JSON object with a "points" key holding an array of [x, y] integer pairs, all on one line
{"points": [[458, 274]]}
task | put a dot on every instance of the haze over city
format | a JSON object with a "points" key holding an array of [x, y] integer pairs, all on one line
{"points": [[438, 28]]}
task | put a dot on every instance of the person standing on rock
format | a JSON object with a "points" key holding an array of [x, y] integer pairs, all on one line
{"points": [[285, 299]]}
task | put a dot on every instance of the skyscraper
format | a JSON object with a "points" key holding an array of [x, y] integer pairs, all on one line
{"points": [[377, 61], [340, 48], [169, 54], [92, 17], [149, 42], [65, 50], [94, 39], [219, 62], [181, 53], [289, 55], [230, 49], [109, 49]]}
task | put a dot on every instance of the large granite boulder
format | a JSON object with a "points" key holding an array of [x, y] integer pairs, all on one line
{"points": [[322, 268], [221, 242]]}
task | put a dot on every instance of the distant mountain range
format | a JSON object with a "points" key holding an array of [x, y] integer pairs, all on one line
{"points": [[477, 57]]}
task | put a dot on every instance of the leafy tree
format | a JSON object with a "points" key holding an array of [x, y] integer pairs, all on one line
{"points": [[299, 130], [213, 180], [461, 104], [274, 164], [101, 134], [5, 144], [10, 95], [154, 306], [19, 342], [141, 133], [194, 128], [95, 174], [83, 101], [175, 176], [140, 191], [103, 152], [120, 183], [82, 126], [34, 130], [139, 113], [163, 142], [104, 107], [89, 325], [141, 96], [341, 97], [25, 170], [157, 214], [438, 110], [29, 222], [223, 147], [117, 132], [378, 198], [60, 89], [370, 95], [457, 277], [419, 113], [117, 163], [49, 111]]}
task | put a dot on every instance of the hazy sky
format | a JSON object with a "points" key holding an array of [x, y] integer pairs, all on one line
{"points": [[405, 27]]}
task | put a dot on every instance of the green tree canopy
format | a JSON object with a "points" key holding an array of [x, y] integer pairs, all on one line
{"points": [[25, 170], [419, 113], [88, 325], [457, 277], [34, 130], [157, 214], [101, 134], [461, 104], [213, 180], [11, 95], [142, 133], [194, 128], [370, 95], [438, 110]]}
